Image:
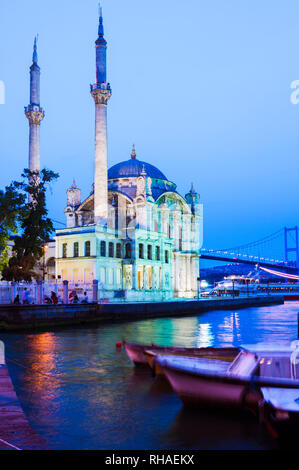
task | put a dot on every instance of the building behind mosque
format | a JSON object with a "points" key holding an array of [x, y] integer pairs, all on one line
{"points": [[134, 233]]}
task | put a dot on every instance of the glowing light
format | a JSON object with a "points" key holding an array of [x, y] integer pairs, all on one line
{"points": [[280, 274]]}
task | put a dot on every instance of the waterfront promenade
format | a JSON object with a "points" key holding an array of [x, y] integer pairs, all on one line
{"points": [[24, 317]]}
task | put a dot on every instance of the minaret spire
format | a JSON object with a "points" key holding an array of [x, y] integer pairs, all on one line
{"points": [[34, 113], [101, 93], [34, 56], [101, 27]]}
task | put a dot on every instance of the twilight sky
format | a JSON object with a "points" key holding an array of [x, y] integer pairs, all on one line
{"points": [[202, 87]]}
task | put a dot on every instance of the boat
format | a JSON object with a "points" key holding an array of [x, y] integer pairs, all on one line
{"points": [[141, 354], [237, 384], [281, 405], [220, 354], [241, 285], [281, 410], [234, 286]]}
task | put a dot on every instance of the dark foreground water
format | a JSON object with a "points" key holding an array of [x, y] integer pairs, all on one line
{"points": [[80, 393]]}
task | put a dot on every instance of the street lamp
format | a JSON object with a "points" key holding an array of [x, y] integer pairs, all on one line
{"points": [[45, 247]]}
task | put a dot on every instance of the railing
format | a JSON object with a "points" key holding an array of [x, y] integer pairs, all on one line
{"points": [[64, 292], [44, 292]]}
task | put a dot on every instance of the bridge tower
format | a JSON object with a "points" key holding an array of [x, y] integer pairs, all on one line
{"points": [[294, 246]]}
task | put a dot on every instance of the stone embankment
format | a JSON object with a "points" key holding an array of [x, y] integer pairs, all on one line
{"points": [[24, 317]]}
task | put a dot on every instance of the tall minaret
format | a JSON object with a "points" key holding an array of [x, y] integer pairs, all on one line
{"points": [[34, 113], [101, 93]]}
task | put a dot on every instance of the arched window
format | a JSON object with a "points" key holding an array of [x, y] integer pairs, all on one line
{"points": [[128, 250], [87, 249], [118, 250], [103, 248], [149, 252], [141, 251], [111, 250], [76, 250]]}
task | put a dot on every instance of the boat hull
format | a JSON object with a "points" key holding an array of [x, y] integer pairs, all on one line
{"points": [[280, 423], [201, 391], [222, 354], [136, 353]]}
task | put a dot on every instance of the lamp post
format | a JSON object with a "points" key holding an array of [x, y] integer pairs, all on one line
{"points": [[45, 247]]}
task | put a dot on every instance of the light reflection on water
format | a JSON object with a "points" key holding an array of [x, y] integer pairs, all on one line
{"points": [[79, 392]]}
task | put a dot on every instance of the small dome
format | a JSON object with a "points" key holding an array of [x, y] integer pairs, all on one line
{"points": [[134, 168]]}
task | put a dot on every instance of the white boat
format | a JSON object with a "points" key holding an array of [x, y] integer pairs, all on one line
{"points": [[233, 285], [238, 384], [242, 285]]}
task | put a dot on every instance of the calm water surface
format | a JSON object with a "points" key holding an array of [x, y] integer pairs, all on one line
{"points": [[79, 392]]}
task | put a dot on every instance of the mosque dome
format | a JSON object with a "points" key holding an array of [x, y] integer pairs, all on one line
{"points": [[134, 168]]}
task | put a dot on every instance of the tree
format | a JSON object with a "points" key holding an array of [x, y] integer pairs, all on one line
{"points": [[35, 227], [11, 206]]}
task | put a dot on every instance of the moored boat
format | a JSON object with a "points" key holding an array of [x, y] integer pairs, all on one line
{"points": [[136, 351], [231, 384], [142, 354], [221, 354], [281, 410]]}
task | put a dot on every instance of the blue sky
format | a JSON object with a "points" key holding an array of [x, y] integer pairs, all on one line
{"points": [[202, 87]]}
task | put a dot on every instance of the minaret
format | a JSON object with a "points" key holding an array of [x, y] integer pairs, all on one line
{"points": [[34, 113], [101, 93]]}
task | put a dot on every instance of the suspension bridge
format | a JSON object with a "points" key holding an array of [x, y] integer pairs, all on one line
{"points": [[252, 253]]}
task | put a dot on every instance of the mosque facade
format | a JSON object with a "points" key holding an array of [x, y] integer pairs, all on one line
{"points": [[134, 233]]}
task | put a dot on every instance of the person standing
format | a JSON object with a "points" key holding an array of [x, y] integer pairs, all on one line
{"points": [[25, 296], [85, 299]]}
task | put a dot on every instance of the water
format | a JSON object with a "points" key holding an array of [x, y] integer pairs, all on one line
{"points": [[79, 392]]}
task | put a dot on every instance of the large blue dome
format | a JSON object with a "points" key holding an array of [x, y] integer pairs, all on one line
{"points": [[134, 168]]}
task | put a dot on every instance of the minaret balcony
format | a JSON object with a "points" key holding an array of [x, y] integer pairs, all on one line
{"points": [[101, 86], [101, 92], [33, 107], [35, 114]]}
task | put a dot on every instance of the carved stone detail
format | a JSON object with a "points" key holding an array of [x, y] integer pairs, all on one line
{"points": [[101, 93], [34, 114]]}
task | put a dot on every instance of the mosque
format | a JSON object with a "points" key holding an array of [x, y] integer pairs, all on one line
{"points": [[134, 233]]}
